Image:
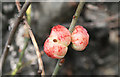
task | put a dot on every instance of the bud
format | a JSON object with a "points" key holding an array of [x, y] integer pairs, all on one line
{"points": [[80, 38]]}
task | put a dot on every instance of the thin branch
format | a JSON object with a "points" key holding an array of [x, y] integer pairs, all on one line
{"points": [[19, 64], [26, 38], [41, 67], [57, 67], [18, 5], [74, 20], [40, 62], [12, 33], [76, 15]]}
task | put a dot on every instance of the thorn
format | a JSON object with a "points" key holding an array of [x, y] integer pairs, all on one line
{"points": [[8, 46], [60, 64], [9, 28], [22, 20], [39, 71], [42, 52], [62, 60], [23, 23], [74, 17], [19, 50], [18, 15], [30, 28]]}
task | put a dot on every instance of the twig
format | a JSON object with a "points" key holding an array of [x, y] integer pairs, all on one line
{"points": [[18, 5], [74, 20], [12, 33], [26, 38], [76, 15], [41, 67], [21, 56], [40, 62], [57, 67]]}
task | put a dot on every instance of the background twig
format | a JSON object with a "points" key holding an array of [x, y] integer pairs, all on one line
{"points": [[41, 67], [12, 33], [72, 25], [26, 40], [76, 15], [21, 56], [40, 62]]}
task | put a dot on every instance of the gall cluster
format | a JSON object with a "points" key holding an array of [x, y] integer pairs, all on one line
{"points": [[56, 45]]}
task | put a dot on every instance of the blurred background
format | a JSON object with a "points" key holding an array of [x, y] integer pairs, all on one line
{"points": [[99, 18]]}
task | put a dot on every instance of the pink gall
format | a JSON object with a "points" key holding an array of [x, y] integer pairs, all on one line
{"points": [[80, 38], [56, 44], [62, 34]]}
